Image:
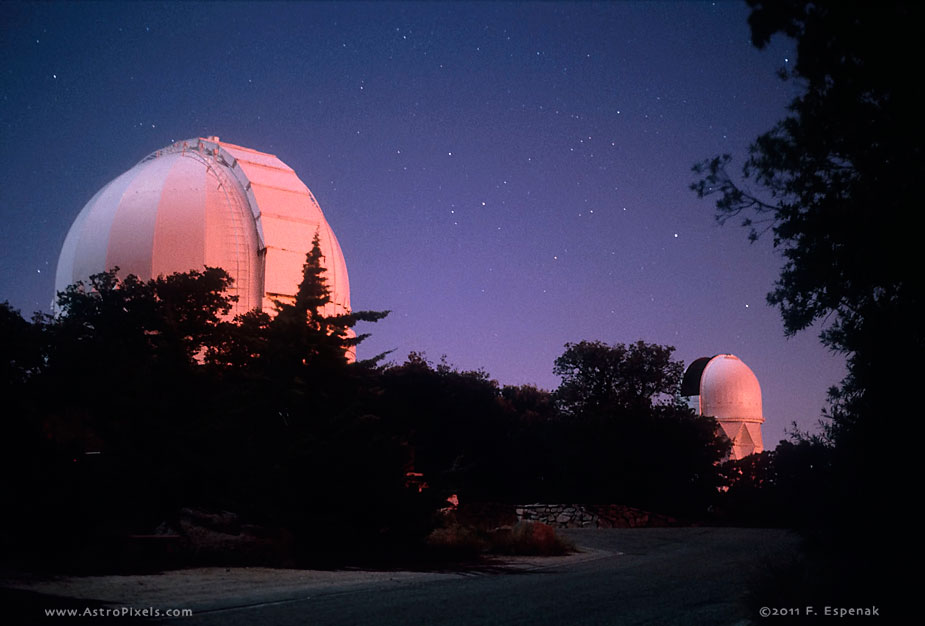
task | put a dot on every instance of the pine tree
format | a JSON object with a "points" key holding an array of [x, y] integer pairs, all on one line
{"points": [[305, 334]]}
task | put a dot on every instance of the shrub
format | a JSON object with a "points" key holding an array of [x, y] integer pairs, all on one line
{"points": [[458, 542], [524, 539], [531, 538]]}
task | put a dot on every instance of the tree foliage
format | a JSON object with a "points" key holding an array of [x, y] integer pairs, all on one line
{"points": [[835, 183], [450, 420], [141, 398], [626, 442], [781, 487], [305, 332], [19, 354], [836, 179], [627, 438], [170, 319], [597, 377]]}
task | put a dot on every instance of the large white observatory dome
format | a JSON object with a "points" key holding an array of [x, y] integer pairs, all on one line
{"points": [[203, 202], [729, 391]]}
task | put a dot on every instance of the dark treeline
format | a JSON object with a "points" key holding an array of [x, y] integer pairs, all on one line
{"points": [[140, 399]]}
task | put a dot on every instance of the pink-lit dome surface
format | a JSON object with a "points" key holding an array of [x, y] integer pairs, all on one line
{"points": [[203, 202], [730, 390]]}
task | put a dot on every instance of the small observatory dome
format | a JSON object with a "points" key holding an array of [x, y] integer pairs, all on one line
{"points": [[205, 202], [729, 391]]}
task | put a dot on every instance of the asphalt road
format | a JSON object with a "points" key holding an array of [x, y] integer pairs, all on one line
{"points": [[659, 576]]}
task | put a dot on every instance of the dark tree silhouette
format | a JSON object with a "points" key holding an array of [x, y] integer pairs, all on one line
{"points": [[302, 334], [625, 436], [20, 349], [835, 184], [141, 397], [106, 395], [835, 181], [452, 423], [310, 333], [779, 487], [597, 377], [21, 363]]}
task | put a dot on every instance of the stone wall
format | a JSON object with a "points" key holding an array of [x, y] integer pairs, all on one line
{"points": [[591, 516]]}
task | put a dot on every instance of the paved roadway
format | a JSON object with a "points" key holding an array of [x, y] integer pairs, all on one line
{"points": [[659, 576]]}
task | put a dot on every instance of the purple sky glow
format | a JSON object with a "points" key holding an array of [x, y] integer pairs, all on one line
{"points": [[505, 178]]}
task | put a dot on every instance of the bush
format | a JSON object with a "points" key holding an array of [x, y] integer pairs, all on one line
{"points": [[533, 539], [523, 539], [458, 542]]}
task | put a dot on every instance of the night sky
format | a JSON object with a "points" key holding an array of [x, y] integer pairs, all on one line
{"points": [[505, 178]]}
